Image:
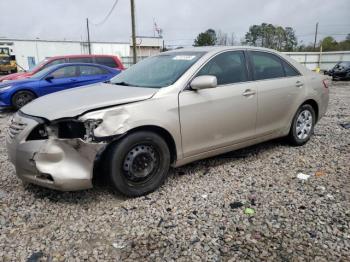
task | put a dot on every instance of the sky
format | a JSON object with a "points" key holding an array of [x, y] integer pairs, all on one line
{"points": [[180, 20]]}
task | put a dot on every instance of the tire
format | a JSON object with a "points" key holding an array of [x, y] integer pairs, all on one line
{"points": [[302, 126], [22, 98], [138, 164]]}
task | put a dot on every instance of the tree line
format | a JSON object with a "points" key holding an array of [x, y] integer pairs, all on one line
{"points": [[270, 36]]}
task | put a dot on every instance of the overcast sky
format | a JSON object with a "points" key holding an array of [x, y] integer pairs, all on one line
{"points": [[181, 20]]}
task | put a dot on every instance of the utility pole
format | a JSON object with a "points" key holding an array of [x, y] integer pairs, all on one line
{"points": [[132, 4], [316, 35], [88, 35]]}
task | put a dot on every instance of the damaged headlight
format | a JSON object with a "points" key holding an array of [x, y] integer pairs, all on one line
{"points": [[70, 129], [38, 133], [66, 129]]}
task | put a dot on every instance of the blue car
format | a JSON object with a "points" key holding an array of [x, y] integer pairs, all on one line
{"points": [[52, 79]]}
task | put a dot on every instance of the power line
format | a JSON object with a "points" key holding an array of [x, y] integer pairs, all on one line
{"points": [[107, 16]]}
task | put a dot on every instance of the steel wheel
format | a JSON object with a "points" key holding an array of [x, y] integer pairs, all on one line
{"points": [[140, 163]]}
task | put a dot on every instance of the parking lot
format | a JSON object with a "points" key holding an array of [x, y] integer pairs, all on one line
{"points": [[201, 211]]}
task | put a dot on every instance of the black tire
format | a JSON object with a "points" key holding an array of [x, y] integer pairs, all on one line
{"points": [[22, 98], [139, 163], [295, 135]]}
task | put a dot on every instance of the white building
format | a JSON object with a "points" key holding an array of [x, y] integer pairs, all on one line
{"points": [[29, 52], [147, 46]]}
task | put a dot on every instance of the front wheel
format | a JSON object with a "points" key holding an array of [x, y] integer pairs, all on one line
{"points": [[303, 125], [139, 163], [22, 98]]}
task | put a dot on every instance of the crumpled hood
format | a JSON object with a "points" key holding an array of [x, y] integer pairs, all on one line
{"points": [[76, 101]]}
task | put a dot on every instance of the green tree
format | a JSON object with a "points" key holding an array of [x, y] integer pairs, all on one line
{"points": [[206, 38], [270, 36], [329, 44]]}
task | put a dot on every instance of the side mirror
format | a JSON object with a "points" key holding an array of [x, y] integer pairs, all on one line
{"points": [[49, 78], [203, 82]]}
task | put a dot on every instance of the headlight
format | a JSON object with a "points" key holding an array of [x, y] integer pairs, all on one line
{"points": [[5, 87]]}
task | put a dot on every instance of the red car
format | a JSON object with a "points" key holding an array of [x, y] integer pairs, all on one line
{"points": [[107, 60]]}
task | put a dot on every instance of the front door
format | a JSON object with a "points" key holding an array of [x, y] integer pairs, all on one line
{"points": [[62, 78], [221, 116]]}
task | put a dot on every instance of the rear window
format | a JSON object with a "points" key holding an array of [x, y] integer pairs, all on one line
{"points": [[266, 66], [106, 61], [290, 71], [92, 70], [81, 60]]}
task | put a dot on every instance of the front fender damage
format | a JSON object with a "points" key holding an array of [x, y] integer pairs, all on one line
{"points": [[68, 163], [114, 122], [65, 160]]}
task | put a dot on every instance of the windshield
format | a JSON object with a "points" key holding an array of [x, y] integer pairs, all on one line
{"points": [[158, 71], [4, 60], [343, 64], [41, 73], [42, 62]]}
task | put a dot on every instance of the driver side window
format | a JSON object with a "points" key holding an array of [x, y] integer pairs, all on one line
{"points": [[228, 67], [65, 72]]}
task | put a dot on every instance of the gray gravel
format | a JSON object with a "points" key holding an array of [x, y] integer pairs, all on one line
{"points": [[199, 213]]}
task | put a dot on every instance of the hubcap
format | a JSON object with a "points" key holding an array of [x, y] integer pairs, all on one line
{"points": [[304, 124], [140, 163]]}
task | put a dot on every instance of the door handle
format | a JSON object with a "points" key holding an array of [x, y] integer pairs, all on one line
{"points": [[299, 84], [73, 80], [249, 92]]}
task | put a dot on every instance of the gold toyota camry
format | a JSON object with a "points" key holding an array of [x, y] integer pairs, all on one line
{"points": [[168, 110]]}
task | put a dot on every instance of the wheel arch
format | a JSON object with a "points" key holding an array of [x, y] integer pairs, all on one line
{"points": [[314, 105], [102, 155], [21, 90], [24, 89], [165, 134]]}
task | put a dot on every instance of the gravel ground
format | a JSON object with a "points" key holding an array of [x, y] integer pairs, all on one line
{"points": [[199, 214]]}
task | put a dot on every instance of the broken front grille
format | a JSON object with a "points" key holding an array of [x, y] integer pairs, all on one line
{"points": [[15, 128]]}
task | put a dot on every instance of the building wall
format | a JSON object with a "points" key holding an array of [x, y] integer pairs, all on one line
{"points": [[110, 49], [323, 60], [26, 50], [29, 52], [147, 46]]}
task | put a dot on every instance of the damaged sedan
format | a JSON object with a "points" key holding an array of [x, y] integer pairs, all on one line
{"points": [[167, 110]]}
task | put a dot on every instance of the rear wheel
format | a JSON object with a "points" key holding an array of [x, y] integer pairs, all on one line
{"points": [[139, 163], [303, 125], [22, 98]]}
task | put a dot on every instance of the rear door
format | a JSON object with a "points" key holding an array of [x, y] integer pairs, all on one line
{"points": [[222, 116], [62, 78], [280, 89], [93, 74]]}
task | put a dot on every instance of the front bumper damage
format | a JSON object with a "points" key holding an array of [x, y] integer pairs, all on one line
{"points": [[64, 164]]}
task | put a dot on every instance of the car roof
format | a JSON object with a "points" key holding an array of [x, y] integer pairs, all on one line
{"points": [[79, 56], [207, 49], [82, 64]]}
